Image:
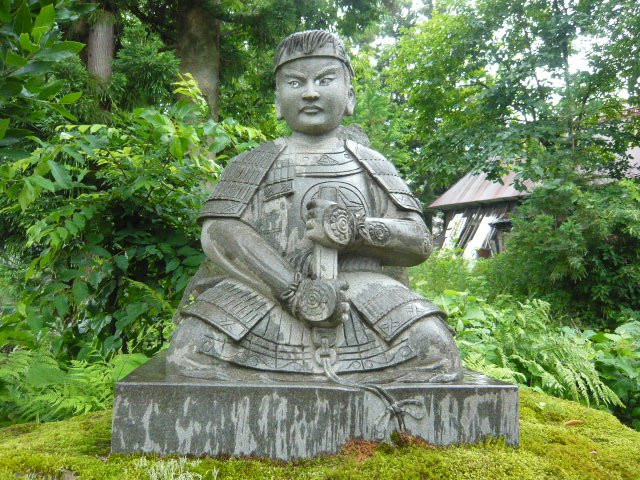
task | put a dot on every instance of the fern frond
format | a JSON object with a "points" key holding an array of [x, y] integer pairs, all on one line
{"points": [[35, 387]]}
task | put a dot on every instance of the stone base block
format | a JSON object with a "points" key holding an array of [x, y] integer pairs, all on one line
{"points": [[164, 414]]}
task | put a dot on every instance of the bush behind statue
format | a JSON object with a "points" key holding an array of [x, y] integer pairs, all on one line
{"points": [[577, 247], [104, 220], [525, 341]]}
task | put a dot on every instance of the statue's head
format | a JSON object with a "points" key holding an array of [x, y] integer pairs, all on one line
{"points": [[313, 82]]}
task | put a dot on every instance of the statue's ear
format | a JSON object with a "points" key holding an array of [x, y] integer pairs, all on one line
{"points": [[351, 102], [278, 109]]}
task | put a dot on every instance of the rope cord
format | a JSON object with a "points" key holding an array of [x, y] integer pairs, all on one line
{"points": [[390, 403]]}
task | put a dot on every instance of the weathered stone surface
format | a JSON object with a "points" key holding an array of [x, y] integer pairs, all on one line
{"points": [[159, 413]]}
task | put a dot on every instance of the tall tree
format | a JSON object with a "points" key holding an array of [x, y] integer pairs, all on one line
{"points": [[101, 43], [198, 46], [548, 89], [525, 85]]}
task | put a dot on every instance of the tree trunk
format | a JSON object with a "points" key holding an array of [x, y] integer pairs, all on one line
{"points": [[198, 46], [101, 46]]}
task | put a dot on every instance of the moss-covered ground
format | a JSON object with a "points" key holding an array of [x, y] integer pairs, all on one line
{"points": [[559, 440]]}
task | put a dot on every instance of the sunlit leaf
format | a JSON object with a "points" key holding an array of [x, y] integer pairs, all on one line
{"points": [[60, 174], [70, 97], [80, 291], [15, 60], [43, 182], [59, 51], [46, 16]]}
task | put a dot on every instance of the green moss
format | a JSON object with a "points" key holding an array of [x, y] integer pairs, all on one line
{"points": [[599, 448]]}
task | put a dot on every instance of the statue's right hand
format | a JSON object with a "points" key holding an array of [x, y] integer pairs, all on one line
{"points": [[320, 302], [330, 224]]}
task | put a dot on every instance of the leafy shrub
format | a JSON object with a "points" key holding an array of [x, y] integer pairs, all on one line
{"points": [[492, 325], [104, 217], [143, 70], [579, 249], [446, 270], [32, 45], [518, 342], [618, 362], [34, 386]]}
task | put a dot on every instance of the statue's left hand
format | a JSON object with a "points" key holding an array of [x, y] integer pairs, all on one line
{"points": [[320, 303], [330, 224]]}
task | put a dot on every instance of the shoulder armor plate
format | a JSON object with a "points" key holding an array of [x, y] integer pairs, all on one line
{"points": [[383, 171], [240, 180]]}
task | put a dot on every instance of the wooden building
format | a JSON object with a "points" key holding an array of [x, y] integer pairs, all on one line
{"points": [[477, 211], [477, 214]]}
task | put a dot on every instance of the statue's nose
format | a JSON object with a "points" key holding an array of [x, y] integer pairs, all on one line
{"points": [[310, 94]]}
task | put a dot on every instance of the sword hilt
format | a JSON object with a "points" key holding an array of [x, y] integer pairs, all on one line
{"points": [[325, 259]]}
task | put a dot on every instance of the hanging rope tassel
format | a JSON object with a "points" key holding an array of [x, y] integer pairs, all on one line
{"points": [[393, 408]]}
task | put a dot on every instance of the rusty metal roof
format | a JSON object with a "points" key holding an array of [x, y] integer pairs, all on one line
{"points": [[475, 188]]}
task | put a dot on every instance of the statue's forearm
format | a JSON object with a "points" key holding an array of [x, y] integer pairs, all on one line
{"points": [[237, 248], [401, 242]]}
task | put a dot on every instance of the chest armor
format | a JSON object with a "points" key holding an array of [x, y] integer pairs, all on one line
{"points": [[295, 180]]}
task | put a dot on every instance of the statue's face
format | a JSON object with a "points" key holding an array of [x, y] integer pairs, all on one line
{"points": [[313, 93]]}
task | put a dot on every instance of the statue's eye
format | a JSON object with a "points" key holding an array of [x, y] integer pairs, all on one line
{"points": [[324, 81], [294, 83]]}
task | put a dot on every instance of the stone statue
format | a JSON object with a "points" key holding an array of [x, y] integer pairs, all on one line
{"points": [[298, 334], [300, 231]]}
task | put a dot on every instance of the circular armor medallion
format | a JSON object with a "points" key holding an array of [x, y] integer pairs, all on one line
{"points": [[349, 197], [315, 300]]}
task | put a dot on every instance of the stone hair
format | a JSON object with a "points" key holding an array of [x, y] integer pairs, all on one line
{"points": [[308, 42]]}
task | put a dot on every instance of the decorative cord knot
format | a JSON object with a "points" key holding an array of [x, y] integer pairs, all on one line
{"points": [[399, 409]]}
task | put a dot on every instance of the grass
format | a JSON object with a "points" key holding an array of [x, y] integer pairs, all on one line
{"points": [[593, 445]]}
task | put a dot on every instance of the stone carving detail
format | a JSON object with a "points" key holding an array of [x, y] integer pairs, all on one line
{"points": [[314, 301], [238, 307], [378, 233], [339, 225]]}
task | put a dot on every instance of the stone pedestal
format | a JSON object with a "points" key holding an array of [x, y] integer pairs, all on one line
{"points": [[164, 414]]}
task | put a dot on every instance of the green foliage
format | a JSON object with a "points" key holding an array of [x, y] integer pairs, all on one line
{"points": [[579, 248], [492, 327], [599, 449], [105, 219], [31, 46], [384, 121], [494, 86], [34, 386], [446, 270], [173, 469], [521, 339], [144, 70], [618, 361]]}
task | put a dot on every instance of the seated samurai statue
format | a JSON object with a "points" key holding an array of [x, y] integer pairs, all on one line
{"points": [[300, 230]]}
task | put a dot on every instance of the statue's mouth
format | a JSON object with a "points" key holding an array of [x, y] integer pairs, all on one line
{"points": [[311, 109]]}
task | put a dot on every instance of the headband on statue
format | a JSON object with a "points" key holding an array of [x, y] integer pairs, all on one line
{"points": [[312, 43]]}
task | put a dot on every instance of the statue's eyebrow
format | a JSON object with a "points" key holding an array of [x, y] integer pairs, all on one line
{"points": [[326, 71], [289, 72]]}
